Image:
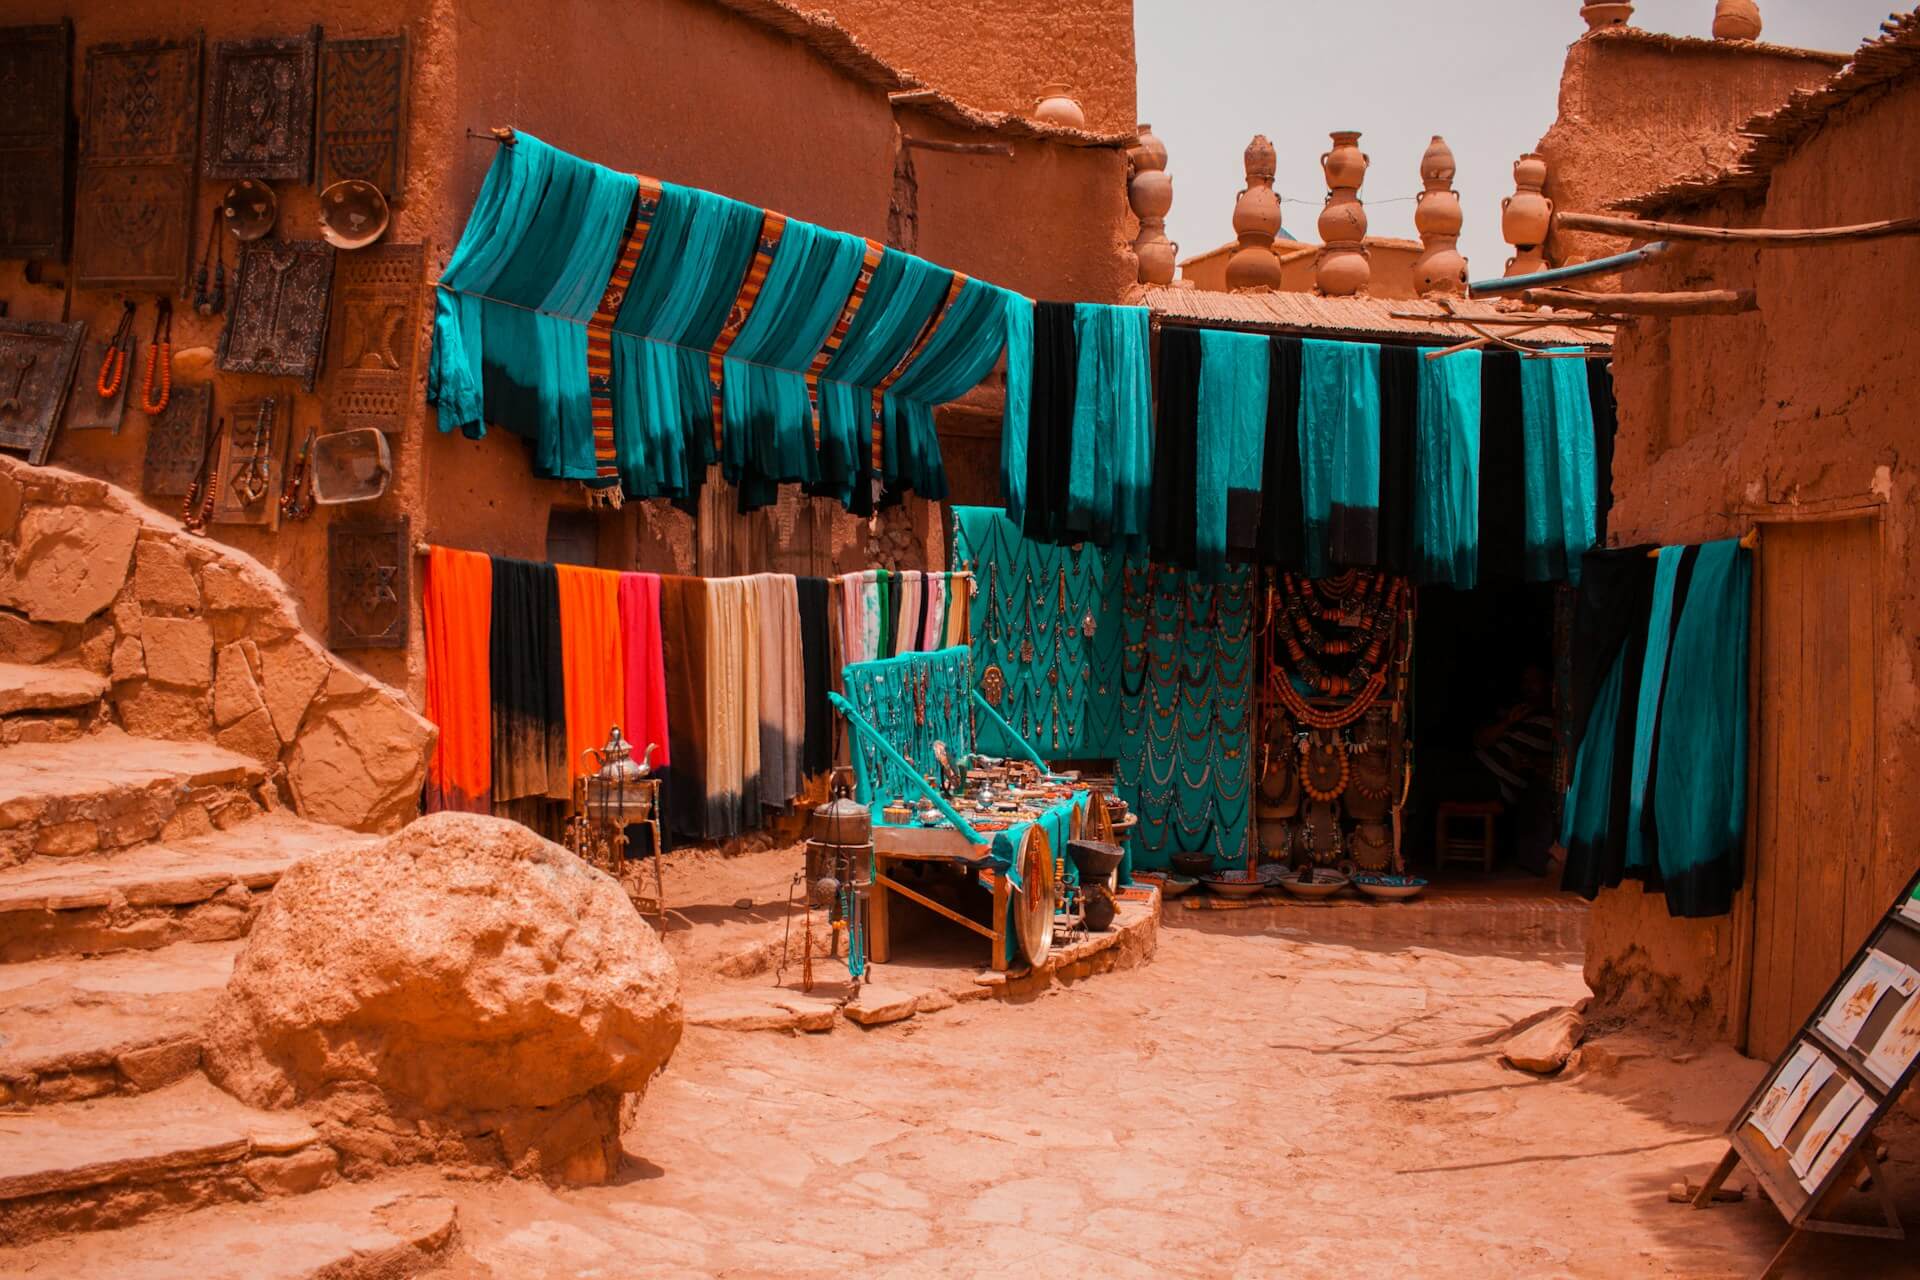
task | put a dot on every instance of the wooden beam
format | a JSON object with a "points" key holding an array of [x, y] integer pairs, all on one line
{"points": [[1751, 237], [1529, 321], [1703, 302], [960, 148]]}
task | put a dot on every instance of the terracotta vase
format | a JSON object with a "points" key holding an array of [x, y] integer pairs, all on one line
{"points": [[1527, 214], [1058, 106], [1256, 221], [1343, 268], [1150, 196], [1606, 15], [1149, 152], [1440, 269], [1736, 20], [1345, 165]]}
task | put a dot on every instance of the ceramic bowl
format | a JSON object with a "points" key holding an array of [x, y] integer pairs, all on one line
{"points": [[1233, 884], [1323, 885], [1174, 886], [1389, 888], [1193, 864]]}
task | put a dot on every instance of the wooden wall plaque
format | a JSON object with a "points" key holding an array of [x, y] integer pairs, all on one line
{"points": [[368, 593], [373, 335], [277, 320], [36, 188], [177, 441], [260, 102], [133, 206], [251, 460], [37, 359], [87, 409], [363, 113]]}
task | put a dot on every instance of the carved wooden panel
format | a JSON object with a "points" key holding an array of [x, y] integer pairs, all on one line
{"points": [[363, 113], [87, 409], [37, 358], [368, 596], [249, 466], [260, 101], [177, 441], [373, 335], [133, 206], [36, 84], [277, 321]]}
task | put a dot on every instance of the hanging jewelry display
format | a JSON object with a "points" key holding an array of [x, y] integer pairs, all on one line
{"points": [[363, 113], [249, 463], [37, 360], [177, 442], [102, 405], [210, 277], [133, 199], [156, 380], [296, 492], [260, 101], [373, 335], [1324, 768], [203, 492], [281, 297], [36, 66], [367, 590]]}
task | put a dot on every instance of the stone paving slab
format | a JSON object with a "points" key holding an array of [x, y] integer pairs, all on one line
{"points": [[108, 762], [347, 1232], [31, 688]]}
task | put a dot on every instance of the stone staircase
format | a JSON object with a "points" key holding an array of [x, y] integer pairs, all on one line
{"points": [[170, 743]]}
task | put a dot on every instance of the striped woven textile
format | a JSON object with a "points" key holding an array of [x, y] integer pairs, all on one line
{"points": [[893, 374], [772, 226], [843, 324], [646, 205]]}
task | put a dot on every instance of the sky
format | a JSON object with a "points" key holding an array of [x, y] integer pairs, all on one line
{"points": [[1484, 74]]}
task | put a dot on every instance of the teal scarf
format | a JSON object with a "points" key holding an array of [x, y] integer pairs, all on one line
{"points": [[1447, 472], [1557, 419], [1339, 452]]}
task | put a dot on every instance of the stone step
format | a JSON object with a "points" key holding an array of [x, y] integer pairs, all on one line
{"points": [[109, 790], [25, 688], [109, 1162], [128, 1022], [203, 889], [388, 1230]]}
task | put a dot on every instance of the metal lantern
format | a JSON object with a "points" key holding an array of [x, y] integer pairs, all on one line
{"points": [[615, 795], [609, 801]]}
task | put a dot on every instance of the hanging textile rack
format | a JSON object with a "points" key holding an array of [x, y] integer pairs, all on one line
{"points": [[1748, 541]]}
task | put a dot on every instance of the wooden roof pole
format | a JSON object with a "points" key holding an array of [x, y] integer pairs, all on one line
{"points": [[1704, 302], [1751, 237]]}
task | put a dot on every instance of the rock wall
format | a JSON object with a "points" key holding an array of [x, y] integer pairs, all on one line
{"points": [[198, 642], [1806, 403]]}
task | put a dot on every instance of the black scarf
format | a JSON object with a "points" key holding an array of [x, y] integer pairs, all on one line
{"points": [[1399, 434], [1503, 470], [1056, 359], [1171, 519], [528, 683], [1282, 538]]}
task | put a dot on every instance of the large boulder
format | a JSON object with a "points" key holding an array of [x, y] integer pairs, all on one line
{"points": [[462, 991]]}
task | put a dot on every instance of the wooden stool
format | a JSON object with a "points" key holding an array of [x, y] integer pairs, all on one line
{"points": [[1452, 845]]}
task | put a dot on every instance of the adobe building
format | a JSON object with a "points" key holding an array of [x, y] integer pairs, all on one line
{"points": [[1794, 419]]}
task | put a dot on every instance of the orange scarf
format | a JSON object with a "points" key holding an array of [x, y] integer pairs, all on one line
{"points": [[594, 661], [458, 621]]}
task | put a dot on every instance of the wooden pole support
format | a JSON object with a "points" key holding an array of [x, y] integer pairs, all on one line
{"points": [[1752, 237], [1702, 302]]}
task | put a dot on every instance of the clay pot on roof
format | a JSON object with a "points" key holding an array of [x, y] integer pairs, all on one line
{"points": [[1606, 15], [1527, 215], [1058, 106], [1736, 20], [1256, 221], [1150, 196], [1440, 268], [1343, 268]]}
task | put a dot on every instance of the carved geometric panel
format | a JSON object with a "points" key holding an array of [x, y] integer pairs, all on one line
{"points": [[368, 596], [37, 358], [177, 441], [133, 207], [250, 460], [277, 321], [372, 336], [87, 409], [260, 96], [36, 84], [363, 113]]}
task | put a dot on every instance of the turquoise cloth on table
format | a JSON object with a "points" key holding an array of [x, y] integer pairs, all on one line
{"points": [[1110, 486], [1186, 698], [687, 277], [1700, 767], [961, 352], [767, 438], [1339, 450], [510, 312], [1653, 678], [1557, 421], [1064, 698], [903, 294], [1232, 426], [1447, 473]]}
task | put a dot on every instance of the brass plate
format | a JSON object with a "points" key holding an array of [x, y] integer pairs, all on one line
{"points": [[1034, 911]]}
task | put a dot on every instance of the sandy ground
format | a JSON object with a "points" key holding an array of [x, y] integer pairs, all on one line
{"points": [[1246, 1105]]}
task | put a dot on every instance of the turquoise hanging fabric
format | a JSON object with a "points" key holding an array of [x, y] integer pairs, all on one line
{"points": [[1653, 682], [961, 352], [1557, 419], [1699, 780], [509, 335], [1186, 709], [1232, 430], [768, 410], [904, 293], [689, 273], [1447, 486], [1111, 481], [1016, 417], [914, 701], [1339, 452], [1585, 819], [1037, 661]]}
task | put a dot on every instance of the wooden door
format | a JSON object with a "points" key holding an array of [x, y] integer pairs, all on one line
{"points": [[1816, 893]]}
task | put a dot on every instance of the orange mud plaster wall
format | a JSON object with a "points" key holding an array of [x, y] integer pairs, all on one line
{"points": [[1638, 111], [1809, 401], [297, 552], [996, 54]]}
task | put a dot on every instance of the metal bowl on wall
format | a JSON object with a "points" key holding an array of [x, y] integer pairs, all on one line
{"points": [[250, 209], [353, 214]]}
